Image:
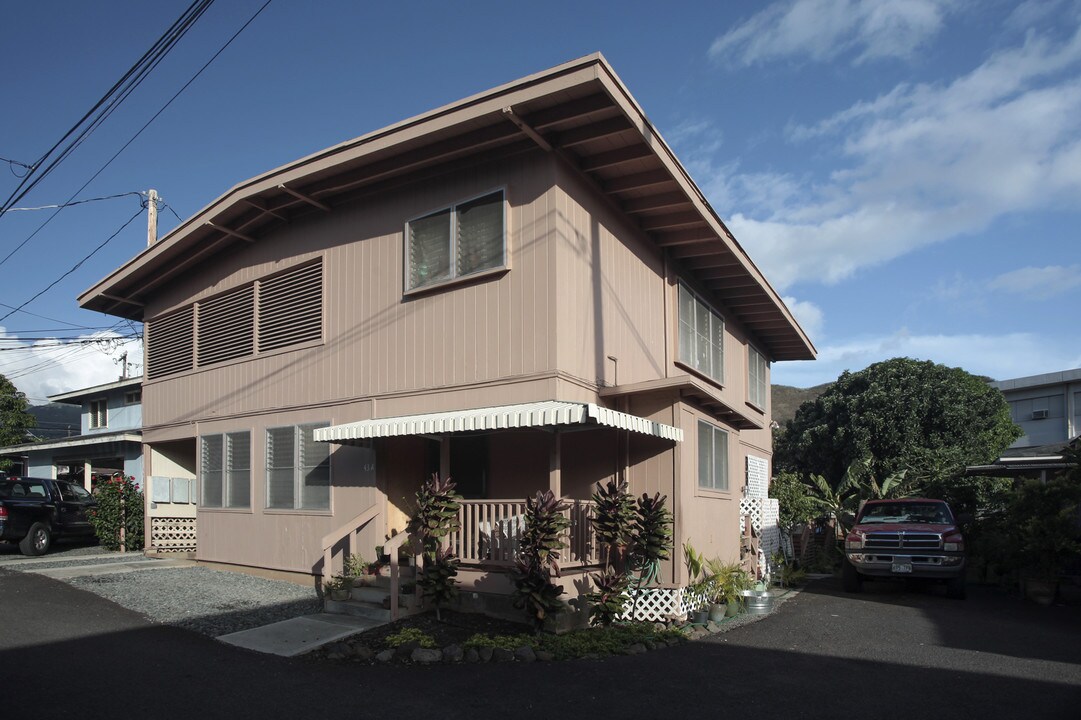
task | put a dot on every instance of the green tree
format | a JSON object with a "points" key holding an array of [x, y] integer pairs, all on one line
{"points": [[14, 419], [898, 415], [794, 498]]}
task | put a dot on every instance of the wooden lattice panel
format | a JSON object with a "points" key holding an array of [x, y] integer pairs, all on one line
{"points": [[172, 534], [757, 477]]}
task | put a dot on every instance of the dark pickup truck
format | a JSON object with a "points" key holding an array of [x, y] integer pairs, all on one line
{"points": [[33, 511], [909, 538]]}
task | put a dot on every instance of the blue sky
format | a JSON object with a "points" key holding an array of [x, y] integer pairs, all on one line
{"points": [[907, 173]]}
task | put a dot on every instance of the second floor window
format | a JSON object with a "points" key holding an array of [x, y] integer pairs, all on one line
{"points": [[99, 414], [701, 336], [456, 242], [756, 377]]}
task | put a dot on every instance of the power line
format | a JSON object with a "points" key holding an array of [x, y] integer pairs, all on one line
{"points": [[69, 343], [74, 267], [108, 103], [61, 206], [143, 128], [12, 164]]}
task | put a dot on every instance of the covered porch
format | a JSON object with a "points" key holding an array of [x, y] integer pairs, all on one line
{"points": [[499, 456]]}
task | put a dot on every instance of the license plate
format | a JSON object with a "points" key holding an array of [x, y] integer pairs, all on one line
{"points": [[902, 567]]}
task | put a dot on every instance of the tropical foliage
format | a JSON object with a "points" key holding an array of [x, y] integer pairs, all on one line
{"points": [[120, 505], [538, 560]]}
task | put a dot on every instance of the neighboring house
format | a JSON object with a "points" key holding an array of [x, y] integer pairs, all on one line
{"points": [[523, 290], [1048, 409], [109, 441]]}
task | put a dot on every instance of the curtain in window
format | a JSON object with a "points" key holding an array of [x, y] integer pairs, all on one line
{"points": [[480, 234], [429, 249]]}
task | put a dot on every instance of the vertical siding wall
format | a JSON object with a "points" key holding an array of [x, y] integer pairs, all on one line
{"points": [[378, 341], [610, 290]]}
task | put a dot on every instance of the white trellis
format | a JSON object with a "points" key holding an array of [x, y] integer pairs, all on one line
{"points": [[760, 510], [661, 604]]}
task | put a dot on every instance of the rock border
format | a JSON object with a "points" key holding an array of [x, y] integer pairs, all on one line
{"points": [[412, 653]]}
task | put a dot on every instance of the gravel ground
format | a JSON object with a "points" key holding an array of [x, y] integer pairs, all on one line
{"points": [[10, 551], [211, 602]]}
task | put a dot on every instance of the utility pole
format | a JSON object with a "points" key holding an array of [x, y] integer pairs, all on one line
{"points": [[124, 366], [151, 217]]}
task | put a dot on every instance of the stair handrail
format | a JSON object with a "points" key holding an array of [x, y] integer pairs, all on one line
{"points": [[390, 547], [349, 529]]}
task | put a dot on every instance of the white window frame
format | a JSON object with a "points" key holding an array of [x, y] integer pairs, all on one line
{"points": [[300, 472], [688, 352], [99, 413], [452, 214], [229, 475], [713, 475], [757, 374]]}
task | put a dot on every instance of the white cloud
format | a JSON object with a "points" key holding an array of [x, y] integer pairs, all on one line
{"points": [[808, 315], [44, 367], [1002, 356], [922, 164], [825, 29], [1039, 283]]}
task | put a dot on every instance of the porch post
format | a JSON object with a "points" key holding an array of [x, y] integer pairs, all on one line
{"points": [[555, 465], [88, 470], [444, 456]]}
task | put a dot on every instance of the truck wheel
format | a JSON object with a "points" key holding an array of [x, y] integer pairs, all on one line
{"points": [[955, 588], [850, 578], [37, 541]]}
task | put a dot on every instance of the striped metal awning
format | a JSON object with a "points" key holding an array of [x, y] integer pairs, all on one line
{"points": [[504, 417]]}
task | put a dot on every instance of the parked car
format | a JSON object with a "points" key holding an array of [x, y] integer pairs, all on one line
{"points": [[909, 538], [34, 511]]}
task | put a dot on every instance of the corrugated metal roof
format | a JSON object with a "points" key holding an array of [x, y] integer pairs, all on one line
{"points": [[504, 417]]}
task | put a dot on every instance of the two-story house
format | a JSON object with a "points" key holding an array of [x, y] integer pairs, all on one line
{"points": [[523, 290], [110, 438]]}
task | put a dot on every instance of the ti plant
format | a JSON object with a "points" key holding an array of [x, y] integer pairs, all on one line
{"points": [[613, 523], [437, 584], [652, 531], [609, 599], [538, 558], [435, 518]]}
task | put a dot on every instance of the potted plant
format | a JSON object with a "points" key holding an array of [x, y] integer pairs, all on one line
{"points": [[701, 584], [731, 581], [338, 587]]}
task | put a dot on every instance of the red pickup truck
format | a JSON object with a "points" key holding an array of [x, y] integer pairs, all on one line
{"points": [[909, 538], [33, 511]]}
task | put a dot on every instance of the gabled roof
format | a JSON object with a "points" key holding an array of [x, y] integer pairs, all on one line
{"points": [[580, 111]]}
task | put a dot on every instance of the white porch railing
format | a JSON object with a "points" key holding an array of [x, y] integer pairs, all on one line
{"points": [[491, 533]]}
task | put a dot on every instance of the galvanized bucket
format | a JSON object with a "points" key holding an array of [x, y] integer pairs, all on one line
{"points": [[757, 602]]}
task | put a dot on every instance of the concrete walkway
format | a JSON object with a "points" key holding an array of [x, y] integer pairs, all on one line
{"points": [[297, 636]]}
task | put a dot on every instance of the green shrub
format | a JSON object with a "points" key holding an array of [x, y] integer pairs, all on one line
{"points": [[120, 504], [408, 635]]}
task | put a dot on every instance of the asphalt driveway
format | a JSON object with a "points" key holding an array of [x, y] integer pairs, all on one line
{"points": [[888, 653]]}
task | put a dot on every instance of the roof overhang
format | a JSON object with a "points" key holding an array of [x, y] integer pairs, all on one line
{"points": [[691, 388], [76, 396], [505, 417], [580, 111], [78, 441]]}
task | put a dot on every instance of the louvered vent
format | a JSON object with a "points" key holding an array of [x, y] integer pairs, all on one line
{"points": [[291, 308], [170, 343], [227, 326]]}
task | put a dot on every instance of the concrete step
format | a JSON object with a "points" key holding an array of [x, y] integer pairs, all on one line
{"points": [[356, 608], [374, 595]]}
